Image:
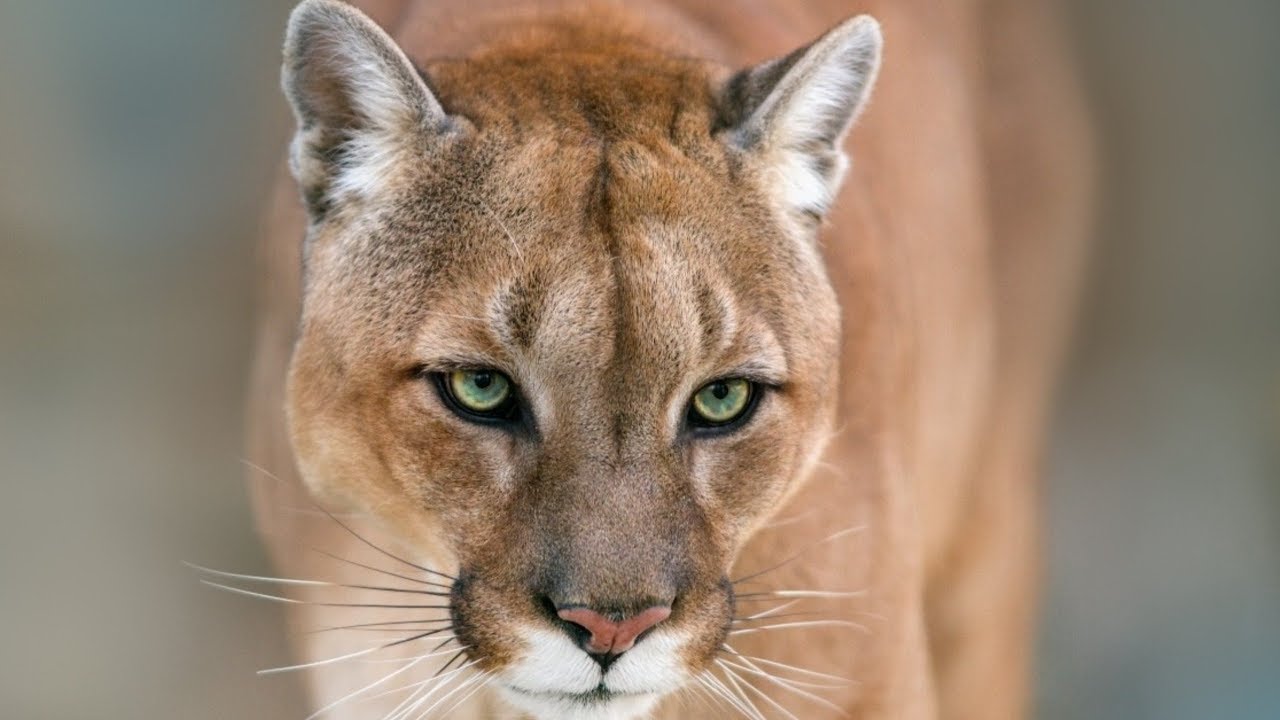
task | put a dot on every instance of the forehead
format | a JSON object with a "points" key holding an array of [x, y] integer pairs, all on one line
{"points": [[624, 251], [579, 220]]}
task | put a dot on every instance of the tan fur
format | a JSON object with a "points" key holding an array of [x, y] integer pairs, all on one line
{"points": [[582, 183]]}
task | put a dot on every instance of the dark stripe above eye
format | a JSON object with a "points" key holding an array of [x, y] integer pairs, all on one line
{"points": [[520, 308]]}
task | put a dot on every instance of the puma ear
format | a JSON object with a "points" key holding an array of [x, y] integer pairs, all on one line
{"points": [[794, 112], [358, 100]]}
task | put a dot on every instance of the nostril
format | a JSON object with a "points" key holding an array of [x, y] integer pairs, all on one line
{"points": [[612, 637], [632, 628]]}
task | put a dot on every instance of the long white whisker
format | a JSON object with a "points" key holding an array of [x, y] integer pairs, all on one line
{"points": [[770, 611], [732, 680], [318, 663], [365, 689], [485, 678], [256, 578], [309, 583], [800, 624], [758, 691], [816, 594], [293, 601], [784, 666], [423, 692], [720, 690], [803, 693], [432, 679], [775, 678], [272, 671], [383, 661], [830, 538], [699, 691], [460, 687]]}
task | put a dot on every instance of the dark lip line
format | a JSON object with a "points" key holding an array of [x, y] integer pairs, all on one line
{"points": [[599, 695]]}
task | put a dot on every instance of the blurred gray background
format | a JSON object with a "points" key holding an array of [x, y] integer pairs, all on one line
{"points": [[137, 140]]}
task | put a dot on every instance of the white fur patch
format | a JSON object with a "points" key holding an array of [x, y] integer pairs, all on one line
{"points": [[553, 670], [552, 663], [345, 76], [548, 707], [654, 666], [802, 122]]}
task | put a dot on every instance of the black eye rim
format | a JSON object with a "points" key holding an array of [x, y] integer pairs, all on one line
{"points": [[509, 412], [698, 425]]}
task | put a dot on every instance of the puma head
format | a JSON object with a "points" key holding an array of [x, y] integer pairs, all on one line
{"points": [[566, 327]]}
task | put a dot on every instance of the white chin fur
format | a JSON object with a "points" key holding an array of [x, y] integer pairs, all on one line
{"points": [[550, 707], [552, 664], [652, 666], [553, 670]]}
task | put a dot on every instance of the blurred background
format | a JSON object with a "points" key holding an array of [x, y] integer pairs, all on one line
{"points": [[137, 141]]}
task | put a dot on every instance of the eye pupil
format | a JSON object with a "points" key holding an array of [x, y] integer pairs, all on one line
{"points": [[482, 380], [720, 390]]}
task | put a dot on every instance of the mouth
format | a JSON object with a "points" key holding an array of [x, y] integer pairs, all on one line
{"points": [[598, 703], [601, 695]]}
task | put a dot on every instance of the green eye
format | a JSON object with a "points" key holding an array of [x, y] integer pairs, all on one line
{"points": [[721, 402], [479, 391]]}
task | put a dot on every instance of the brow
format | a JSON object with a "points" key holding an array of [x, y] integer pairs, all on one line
{"points": [[518, 310]]}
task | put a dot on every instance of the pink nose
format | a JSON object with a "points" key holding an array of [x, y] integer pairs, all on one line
{"points": [[609, 637]]}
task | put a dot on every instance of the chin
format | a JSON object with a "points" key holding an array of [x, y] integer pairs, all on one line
{"points": [[596, 705]]}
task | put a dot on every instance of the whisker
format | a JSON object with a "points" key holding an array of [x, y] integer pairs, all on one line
{"points": [[789, 521], [358, 626], [452, 660], [787, 681], [732, 680], [253, 578], [428, 681], [722, 691], [366, 688], [294, 601], [353, 533], [804, 594], [829, 538], [770, 611], [310, 583], [339, 558], [446, 641], [485, 679], [389, 630], [738, 621], [389, 554], [404, 659], [801, 624], [697, 690], [460, 687], [291, 668], [757, 691], [423, 691], [318, 663], [803, 693], [793, 668], [418, 637]]}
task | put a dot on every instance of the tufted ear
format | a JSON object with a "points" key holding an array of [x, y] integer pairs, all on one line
{"points": [[359, 102], [793, 112]]}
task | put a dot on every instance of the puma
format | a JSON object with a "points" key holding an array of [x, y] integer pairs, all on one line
{"points": [[605, 373]]}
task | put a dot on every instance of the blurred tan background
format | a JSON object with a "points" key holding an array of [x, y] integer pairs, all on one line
{"points": [[137, 138]]}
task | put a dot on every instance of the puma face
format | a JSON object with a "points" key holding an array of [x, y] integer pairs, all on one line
{"points": [[566, 331]]}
